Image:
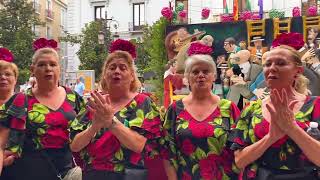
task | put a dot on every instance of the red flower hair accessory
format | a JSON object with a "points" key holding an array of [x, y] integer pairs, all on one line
{"points": [[294, 40], [44, 43], [123, 45], [198, 48], [6, 55]]}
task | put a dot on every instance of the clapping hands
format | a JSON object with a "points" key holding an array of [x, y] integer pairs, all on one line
{"points": [[100, 106], [281, 112]]}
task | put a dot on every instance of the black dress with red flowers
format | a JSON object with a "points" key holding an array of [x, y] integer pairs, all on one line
{"points": [[105, 153], [284, 156], [39, 134], [199, 149]]}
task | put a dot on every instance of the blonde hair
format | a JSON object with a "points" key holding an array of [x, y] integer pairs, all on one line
{"points": [[13, 67], [44, 51], [135, 84], [301, 83], [197, 59]]}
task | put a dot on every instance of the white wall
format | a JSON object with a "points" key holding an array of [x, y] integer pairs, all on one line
{"points": [[216, 7], [122, 11]]}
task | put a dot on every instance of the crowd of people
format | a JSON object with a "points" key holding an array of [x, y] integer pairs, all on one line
{"points": [[49, 131]]}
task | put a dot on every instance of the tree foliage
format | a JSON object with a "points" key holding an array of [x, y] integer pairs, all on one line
{"points": [[91, 53], [154, 46], [17, 18]]}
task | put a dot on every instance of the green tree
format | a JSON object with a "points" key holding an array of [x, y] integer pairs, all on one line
{"points": [[156, 49], [91, 53], [17, 18]]}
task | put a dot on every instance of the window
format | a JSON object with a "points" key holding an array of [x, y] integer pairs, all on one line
{"points": [[49, 5], [36, 6], [138, 16], [63, 19], [99, 12], [49, 33], [36, 30]]}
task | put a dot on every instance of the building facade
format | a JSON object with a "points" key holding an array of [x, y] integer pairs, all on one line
{"points": [[128, 17], [194, 7]]}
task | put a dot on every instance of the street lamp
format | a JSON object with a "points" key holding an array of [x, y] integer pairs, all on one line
{"points": [[101, 37]]}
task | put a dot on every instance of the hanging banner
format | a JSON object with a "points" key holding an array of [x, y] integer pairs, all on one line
{"points": [[235, 10]]}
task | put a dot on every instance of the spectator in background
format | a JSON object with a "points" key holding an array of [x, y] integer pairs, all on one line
{"points": [[79, 87]]}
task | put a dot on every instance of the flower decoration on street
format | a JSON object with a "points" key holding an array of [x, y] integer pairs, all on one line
{"points": [[294, 40], [182, 14], [245, 15], [167, 13], [180, 7], [205, 13], [226, 17], [296, 12], [6, 55], [44, 43], [198, 48], [123, 45], [312, 11]]}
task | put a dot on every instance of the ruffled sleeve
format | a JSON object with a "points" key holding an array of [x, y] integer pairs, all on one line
{"points": [[242, 135], [83, 119], [13, 115], [168, 142], [146, 121]]}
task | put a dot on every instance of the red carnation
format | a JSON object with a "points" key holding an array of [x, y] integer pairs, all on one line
{"points": [[123, 45], [294, 40], [198, 48], [6, 55], [44, 43], [167, 13]]}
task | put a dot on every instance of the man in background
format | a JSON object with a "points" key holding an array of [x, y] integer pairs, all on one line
{"points": [[79, 87]]}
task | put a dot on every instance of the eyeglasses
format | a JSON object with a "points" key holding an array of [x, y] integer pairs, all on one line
{"points": [[6, 74]]}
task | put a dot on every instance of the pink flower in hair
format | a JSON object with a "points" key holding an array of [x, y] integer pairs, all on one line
{"points": [[6, 55], [44, 43], [123, 45]]}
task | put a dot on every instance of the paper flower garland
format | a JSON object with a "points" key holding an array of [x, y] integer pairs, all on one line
{"points": [[167, 13], [296, 12], [205, 13]]}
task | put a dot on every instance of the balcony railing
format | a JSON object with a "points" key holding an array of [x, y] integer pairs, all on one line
{"points": [[49, 14], [37, 7], [135, 28]]}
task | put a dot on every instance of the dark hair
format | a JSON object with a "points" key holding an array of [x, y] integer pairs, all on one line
{"points": [[230, 40]]}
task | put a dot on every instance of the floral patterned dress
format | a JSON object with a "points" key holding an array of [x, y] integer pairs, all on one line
{"points": [[106, 153], [282, 156], [199, 149], [36, 128]]}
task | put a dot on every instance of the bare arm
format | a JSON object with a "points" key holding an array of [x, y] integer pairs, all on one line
{"points": [[170, 170], [82, 139], [251, 153], [309, 145], [4, 134], [129, 138]]}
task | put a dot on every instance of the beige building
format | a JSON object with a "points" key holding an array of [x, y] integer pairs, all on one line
{"points": [[53, 14]]}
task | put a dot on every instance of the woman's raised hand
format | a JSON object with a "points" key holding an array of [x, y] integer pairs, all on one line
{"points": [[100, 106], [282, 110]]}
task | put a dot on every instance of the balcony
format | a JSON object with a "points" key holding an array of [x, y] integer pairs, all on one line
{"points": [[37, 7], [49, 14], [133, 28]]}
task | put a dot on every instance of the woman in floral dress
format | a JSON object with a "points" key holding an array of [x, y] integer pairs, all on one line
{"points": [[121, 128], [8, 79], [39, 122], [197, 128], [270, 139]]}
